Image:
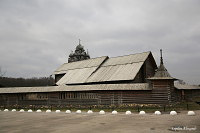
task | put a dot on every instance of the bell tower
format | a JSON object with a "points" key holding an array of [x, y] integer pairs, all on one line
{"points": [[163, 84]]}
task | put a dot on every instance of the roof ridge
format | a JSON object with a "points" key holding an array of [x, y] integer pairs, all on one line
{"points": [[123, 63], [76, 68], [84, 60], [130, 54]]}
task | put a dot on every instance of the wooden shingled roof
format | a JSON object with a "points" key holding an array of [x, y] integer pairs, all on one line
{"points": [[186, 86], [61, 88], [105, 69], [161, 72]]}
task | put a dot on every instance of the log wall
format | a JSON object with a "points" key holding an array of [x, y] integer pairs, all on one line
{"points": [[156, 96], [164, 90]]}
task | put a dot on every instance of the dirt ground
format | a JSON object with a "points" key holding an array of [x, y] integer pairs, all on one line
{"points": [[16, 122]]}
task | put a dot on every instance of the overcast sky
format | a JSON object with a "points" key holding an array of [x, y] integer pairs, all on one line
{"points": [[36, 36]]}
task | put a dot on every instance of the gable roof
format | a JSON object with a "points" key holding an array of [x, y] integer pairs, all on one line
{"points": [[78, 72], [102, 69], [119, 68]]}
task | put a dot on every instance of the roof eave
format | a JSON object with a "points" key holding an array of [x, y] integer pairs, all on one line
{"points": [[161, 78]]}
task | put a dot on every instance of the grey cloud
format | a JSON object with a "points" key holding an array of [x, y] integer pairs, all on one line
{"points": [[37, 36]]}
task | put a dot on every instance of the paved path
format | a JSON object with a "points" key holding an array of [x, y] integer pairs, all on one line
{"points": [[16, 122]]}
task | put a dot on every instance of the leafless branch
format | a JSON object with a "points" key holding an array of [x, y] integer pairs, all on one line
{"points": [[2, 73]]}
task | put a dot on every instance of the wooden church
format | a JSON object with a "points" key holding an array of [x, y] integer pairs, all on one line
{"points": [[122, 80]]}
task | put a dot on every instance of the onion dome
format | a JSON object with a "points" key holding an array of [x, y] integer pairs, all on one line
{"points": [[79, 47]]}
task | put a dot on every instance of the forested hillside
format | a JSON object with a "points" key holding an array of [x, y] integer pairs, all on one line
{"points": [[28, 82]]}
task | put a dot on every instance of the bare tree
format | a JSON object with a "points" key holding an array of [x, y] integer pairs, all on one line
{"points": [[2, 73]]}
